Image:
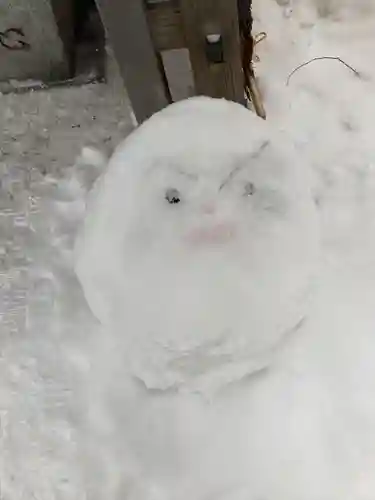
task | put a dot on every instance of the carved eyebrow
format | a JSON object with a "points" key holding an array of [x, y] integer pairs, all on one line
{"points": [[244, 164], [172, 168], [182, 172]]}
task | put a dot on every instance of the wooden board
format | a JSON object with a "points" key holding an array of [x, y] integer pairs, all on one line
{"points": [[128, 33], [64, 15], [203, 17], [165, 22]]}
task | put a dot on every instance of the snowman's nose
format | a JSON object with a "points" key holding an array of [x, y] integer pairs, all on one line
{"points": [[208, 207]]}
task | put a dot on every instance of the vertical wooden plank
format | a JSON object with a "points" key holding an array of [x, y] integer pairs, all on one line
{"points": [[244, 14], [204, 17], [63, 12], [165, 23], [129, 36]]}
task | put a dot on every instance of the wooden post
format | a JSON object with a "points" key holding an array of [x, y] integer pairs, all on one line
{"points": [[128, 33], [63, 11], [202, 18], [165, 22]]}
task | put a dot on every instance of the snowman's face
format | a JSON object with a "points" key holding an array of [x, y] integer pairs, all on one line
{"points": [[198, 202]]}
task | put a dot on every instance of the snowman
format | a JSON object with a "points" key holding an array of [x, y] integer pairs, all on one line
{"points": [[198, 256]]}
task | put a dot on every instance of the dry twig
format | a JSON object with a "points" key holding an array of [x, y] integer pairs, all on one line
{"points": [[357, 73]]}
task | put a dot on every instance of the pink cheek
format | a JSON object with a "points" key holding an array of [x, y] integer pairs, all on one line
{"points": [[215, 234]]}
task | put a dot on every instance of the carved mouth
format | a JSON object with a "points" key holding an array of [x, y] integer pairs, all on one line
{"points": [[214, 234]]}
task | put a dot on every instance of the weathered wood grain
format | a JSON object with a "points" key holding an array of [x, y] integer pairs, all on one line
{"points": [[128, 33], [203, 17]]}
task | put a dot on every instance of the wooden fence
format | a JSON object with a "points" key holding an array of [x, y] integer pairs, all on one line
{"points": [[140, 30]]}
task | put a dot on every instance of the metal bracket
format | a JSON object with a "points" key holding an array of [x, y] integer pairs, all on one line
{"points": [[214, 48]]}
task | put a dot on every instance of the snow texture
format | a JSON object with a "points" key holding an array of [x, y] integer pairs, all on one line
{"points": [[43, 184], [74, 425]]}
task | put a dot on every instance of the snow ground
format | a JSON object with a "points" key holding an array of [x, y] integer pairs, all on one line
{"points": [[327, 111], [42, 187]]}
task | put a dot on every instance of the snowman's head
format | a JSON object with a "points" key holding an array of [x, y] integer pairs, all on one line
{"points": [[205, 175], [201, 200], [205, 216]]}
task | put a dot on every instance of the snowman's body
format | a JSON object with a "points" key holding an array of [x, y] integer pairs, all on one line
{"points": [[198, 256], [302, 429]]}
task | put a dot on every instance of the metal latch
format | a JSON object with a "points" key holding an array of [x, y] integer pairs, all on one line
{"points": [[214, 48]]}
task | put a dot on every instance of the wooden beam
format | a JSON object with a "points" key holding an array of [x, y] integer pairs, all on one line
{"points": [[165, 22], [206, 17], [64, 15], [244, 13], [128, 33]]}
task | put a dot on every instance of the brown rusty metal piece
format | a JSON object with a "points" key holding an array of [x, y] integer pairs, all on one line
{"points": [[248, 43]]}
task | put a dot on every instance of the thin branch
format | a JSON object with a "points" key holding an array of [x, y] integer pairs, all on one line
{"points": [[357, 73], [253, 95]]}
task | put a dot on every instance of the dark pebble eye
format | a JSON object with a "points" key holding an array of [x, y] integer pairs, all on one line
{"points": [[249, 189], [172, 196]]}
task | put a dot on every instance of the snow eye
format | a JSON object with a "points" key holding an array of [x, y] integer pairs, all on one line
{"points": [[249, 189], [172, 196]]}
